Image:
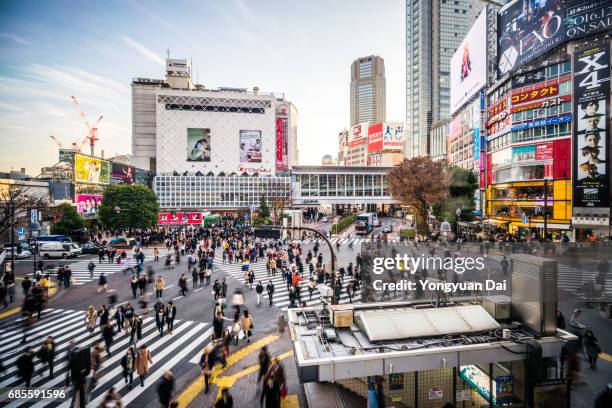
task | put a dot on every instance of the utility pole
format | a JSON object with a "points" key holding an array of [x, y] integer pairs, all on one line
{"points": [[545, 208], [12, 210]]}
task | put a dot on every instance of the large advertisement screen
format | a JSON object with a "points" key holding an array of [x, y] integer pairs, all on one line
{"points": [[250, 146], [527, 29], [180, 218], [469, 64], [280, 129], [591, 68], [91, 170], [88, 203], [122, 174], [198, 144], [393, 136]]}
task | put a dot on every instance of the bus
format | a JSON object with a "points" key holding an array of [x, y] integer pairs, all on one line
{"points": [[365, 222]]}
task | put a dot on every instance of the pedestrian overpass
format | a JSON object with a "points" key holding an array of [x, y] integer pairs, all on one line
{"points": [[339, 185]]}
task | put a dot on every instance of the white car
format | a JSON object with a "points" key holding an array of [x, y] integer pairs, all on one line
{"points": [[21, 255], [76, 249]]}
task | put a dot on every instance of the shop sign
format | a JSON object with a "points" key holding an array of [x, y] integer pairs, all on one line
{"points": [[436, 393], [543, 122], [544, 151], [541, 104], [532, 95], [463, 395]]}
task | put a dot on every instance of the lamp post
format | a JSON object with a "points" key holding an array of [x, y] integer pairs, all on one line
{"points": [[34, 231], [546, 179]]}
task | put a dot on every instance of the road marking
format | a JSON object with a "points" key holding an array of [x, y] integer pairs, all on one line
{"points": [[197, 386], [606, 356], [291, 401]]}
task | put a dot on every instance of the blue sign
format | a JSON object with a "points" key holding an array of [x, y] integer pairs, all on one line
{"points": [[21, 231], [525, 220], [246, 216], [543, 122], [476, 144], [482, 101]]}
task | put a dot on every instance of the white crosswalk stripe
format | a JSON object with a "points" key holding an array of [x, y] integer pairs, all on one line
{"points": [[573, 280], [69, 325], [281, 293], [341, 240], [81, 275]]}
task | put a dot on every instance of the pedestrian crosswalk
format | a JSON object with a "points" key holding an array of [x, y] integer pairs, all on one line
{"points": [[573, 280], [340, 240], [281, 294], [81, 274], [65, 326]]}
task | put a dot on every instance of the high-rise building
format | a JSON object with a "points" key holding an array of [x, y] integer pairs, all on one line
{"points": [[434, 30], [368, 90]]}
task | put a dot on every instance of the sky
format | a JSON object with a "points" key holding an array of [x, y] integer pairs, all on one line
{"points": [[52, 50]]}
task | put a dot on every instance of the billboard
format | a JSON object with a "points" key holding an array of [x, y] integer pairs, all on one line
{"points": [[198, 144], [523, 153], [541, 104], [180, 218], [91, 170], [357, 142], [88, 203], [527, 29], [122, 174], [250, 146], [544, 151], [468, 67], [591, 69], [393, 136], [375, 137], [528, 95]]}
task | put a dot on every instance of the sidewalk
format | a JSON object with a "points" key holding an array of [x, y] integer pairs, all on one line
{"points": [[19, 297]]}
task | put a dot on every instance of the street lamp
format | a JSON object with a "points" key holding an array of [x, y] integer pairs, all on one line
{"points": [[34, 231], [546, 179]]}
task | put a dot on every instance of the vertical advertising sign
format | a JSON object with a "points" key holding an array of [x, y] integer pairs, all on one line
{"points": [[279, 143], [375, 137], [591, 68], [285, 126]]}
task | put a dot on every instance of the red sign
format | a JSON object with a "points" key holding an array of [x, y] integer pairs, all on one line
{"points": [[497, 112], [357, 142], [527, 96], [279, 143], [356, 130], [375, 137], [180, 218], [544, 151], [541, 104]]}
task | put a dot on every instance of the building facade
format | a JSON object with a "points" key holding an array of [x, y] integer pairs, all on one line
{"points": [[434, 30], [439, 134], [368, 90]]}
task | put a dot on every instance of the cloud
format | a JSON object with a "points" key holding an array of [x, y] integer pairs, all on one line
{"points": [[12, 108], [15, 38], [245, 11], [147, 53]]}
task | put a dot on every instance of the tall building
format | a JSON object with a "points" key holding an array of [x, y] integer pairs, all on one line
{"points": [[368, 90], [434, 30]]}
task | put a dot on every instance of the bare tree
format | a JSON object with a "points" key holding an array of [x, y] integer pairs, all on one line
{"points": [[15, 204], [420, 183]]}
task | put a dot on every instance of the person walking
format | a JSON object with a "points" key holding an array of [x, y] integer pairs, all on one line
{"points": [[108, 334], [159, 286], [165, 389], [128, 363], [25, 366], [142, 284], [102, 283], [155, 255], [142, 363], [67, 277], [271, 394], [270, 290], [26, 284], [101, 253], [46, 354], [160, 313], [592, 347], [129, 317], [136, 329], [91, 316], [264, 363], [247, 325], [226, 400], [120, 318], [183, 284], [312, 285], [170, 314], [91, 268], [259, 290], [134, 286]]}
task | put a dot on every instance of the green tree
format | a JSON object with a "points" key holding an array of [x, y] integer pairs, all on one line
{"points": [[264, 210], [69, 221], [463, 185], [128, 206], [419, 183]]}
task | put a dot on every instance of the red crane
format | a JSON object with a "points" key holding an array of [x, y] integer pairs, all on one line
{"points": [[92, 130]]}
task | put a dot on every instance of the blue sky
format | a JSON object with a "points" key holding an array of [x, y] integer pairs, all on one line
{"points": [[50, 50]]}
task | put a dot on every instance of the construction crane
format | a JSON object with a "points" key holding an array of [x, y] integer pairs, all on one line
{"points": [[91, 130], [57, 142]]}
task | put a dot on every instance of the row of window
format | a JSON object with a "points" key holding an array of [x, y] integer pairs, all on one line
{"points": [[538, 133]]}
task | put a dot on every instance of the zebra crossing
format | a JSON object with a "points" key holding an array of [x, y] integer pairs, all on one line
{"points": [[186, 342], [81, 274], [281, 294], [340, 240], [573, 280]]}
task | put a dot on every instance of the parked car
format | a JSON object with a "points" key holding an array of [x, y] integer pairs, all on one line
{"points": [[90, 248], [25, 253], [76, 248], [387, 228], [119, 243]]}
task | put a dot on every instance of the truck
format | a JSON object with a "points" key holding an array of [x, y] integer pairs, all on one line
{"points": [[365, 222]]}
